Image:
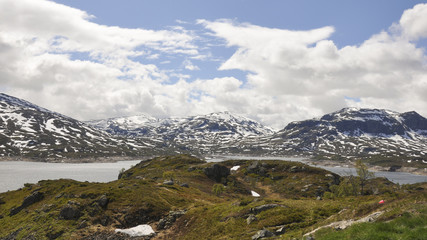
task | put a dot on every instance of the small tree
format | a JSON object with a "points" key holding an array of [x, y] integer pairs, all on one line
{"points": [[363, 173], [218, 188]]}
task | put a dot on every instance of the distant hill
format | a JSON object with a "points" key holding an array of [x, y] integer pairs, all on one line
{"points": [[354, 132], [27, 130]]}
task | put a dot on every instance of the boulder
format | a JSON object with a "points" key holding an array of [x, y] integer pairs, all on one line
{"points": [[69, 212], [262, 234], [257, 168], [168, 182], [264, 207], [103, 201], [281, 230], [251, 218], [293, 169], [217, 172]]}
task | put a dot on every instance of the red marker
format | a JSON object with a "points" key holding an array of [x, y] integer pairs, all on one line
{"points": [[381, 202]]}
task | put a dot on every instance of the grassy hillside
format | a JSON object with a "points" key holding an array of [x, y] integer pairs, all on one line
{"points": [[183, 197]]}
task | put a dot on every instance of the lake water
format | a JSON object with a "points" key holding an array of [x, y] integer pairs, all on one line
{"points": [[14, 174], [396, 177]]}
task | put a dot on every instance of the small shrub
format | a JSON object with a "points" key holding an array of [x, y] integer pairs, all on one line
{"points": [[218, 189]]}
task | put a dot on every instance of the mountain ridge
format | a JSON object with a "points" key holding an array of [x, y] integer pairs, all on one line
{"points": [[29, 130]]}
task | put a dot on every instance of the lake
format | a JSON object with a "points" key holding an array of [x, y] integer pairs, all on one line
{"points": [[15, 174], [396, 177]]}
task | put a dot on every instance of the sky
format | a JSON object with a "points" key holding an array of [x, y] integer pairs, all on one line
{"points": [[272, 61]]}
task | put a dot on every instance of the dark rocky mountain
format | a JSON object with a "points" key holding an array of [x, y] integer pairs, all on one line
{"points": [[353, 132], [27, 130]]}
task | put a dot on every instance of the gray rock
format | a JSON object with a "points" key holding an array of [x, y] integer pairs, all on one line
{"points": [[184, 185], [293, 169], [281, 230], [257, 168], [264, 207], [168, 182], [251, 218], [262, 234], [103, 201], [168, 221], [319, 198], [69, 212]]}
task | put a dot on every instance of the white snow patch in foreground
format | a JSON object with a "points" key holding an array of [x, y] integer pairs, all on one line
{"points": [[235, 168], [255, 194], [138, 231]]}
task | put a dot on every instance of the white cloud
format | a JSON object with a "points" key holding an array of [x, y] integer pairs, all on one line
{"points": [[38, 39], [310, 73], [54, 56], [189, 65], [414, 22]]}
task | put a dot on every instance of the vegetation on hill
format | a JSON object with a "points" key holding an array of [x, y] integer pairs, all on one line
{"points": [[183, 197]]}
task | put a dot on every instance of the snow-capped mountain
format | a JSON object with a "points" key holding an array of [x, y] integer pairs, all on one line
{"points": [[205, 134], [139, 125], [353, 132], [31, 131]]}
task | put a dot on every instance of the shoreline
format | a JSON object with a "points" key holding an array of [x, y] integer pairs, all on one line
{"points": [[75, 160], [373, 168], [306, 160]]}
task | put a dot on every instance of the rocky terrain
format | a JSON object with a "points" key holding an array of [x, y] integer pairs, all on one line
{"points": [[183, 197]]}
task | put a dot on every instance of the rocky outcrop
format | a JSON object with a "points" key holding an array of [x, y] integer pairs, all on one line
{"points": [[347, 223], [262, 234], [69, 212], [264, 207], [217, 172], [168, 182], [250, 219], [257, 168], [168, 221], [36, 196]]}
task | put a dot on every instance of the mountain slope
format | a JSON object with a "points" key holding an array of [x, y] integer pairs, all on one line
{"points": [[205, 134], [31, 131], [353, 132]]}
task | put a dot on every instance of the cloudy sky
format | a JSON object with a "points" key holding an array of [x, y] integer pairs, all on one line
{"points": [[272, 61]]}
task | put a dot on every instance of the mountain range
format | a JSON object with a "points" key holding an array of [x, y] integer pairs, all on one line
{"points": [[27, 130], [30, 131]]}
